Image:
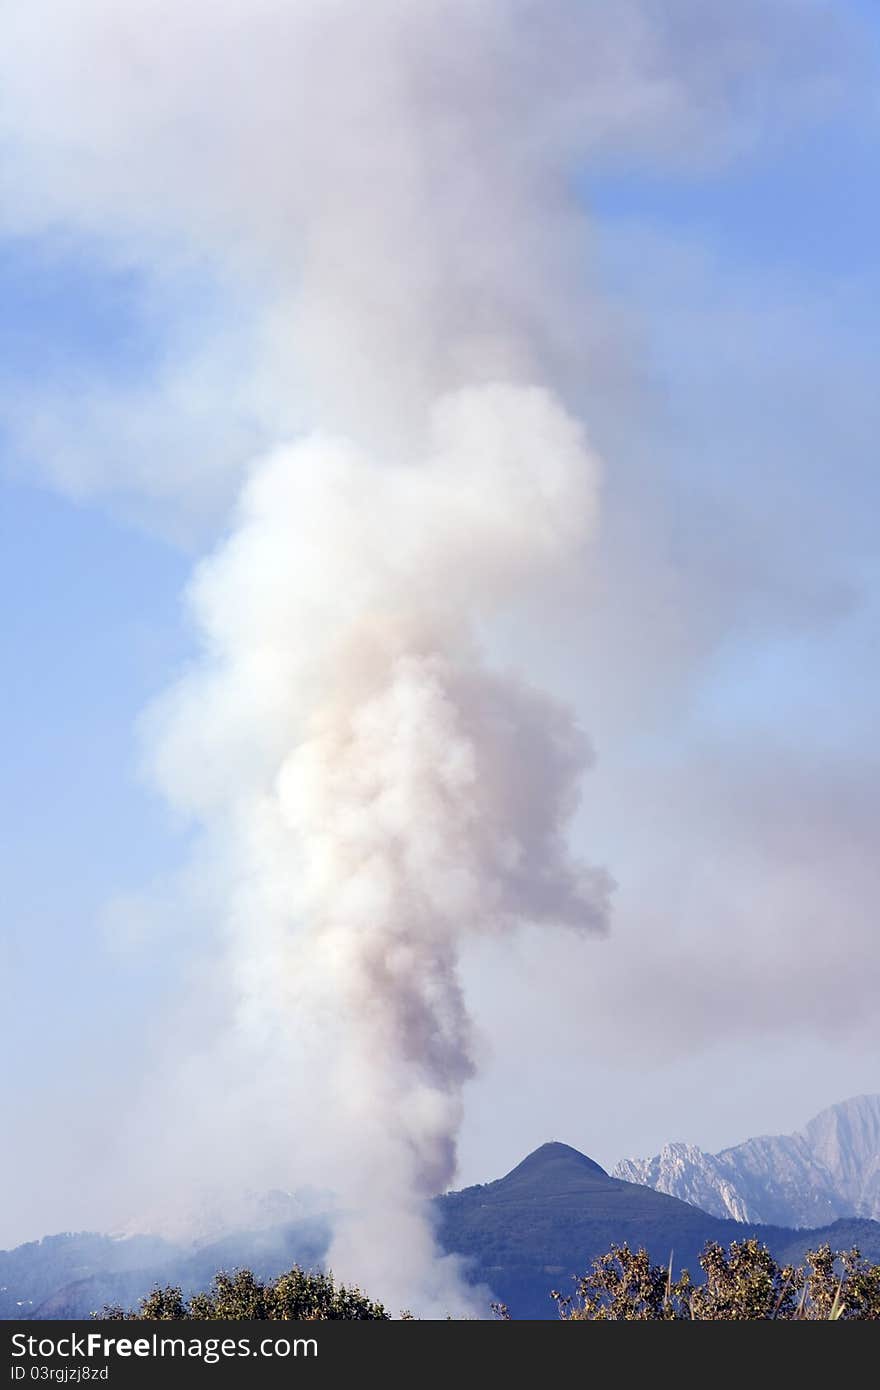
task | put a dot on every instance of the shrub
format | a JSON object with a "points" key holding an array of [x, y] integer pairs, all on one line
{"points": [[742, 1282], [295, 1296]]}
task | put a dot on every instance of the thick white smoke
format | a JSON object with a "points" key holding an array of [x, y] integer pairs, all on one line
{"points": [[384, 793], [394, 174]]}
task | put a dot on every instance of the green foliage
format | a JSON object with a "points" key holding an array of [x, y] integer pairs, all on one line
{"points": [[623, 1285], [743, 1282], [296, 1296]]}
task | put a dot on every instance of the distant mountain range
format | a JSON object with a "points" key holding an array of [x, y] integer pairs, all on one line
{"points": [[523, 1235], [545, 1222], [829, 1170], [76, 1274]]}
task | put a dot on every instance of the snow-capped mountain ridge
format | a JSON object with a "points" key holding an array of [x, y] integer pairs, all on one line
{"points": [[828, 1170]]}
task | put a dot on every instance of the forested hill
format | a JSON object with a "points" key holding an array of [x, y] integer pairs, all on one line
{"points": [[556, 1211]]}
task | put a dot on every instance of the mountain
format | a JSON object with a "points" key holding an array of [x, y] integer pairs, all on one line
{"points": [[556, 1211], [845, 1139], [75, 1274], [31, 1271], [830, 1170], [520, 1236], [211, 1213]]}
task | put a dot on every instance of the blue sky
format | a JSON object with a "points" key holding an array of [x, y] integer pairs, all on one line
{"points": [[746, 298]]}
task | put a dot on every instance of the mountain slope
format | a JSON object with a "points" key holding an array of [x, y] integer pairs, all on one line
{"points": [[845, 1139], [30, 1271], [544, 1223], [828, 1171], [75, 1275], [529, 1232]]}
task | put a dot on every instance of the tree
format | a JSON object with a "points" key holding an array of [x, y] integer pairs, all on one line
{"points": [[623, 1285], [742, 1282], [296, 1296]]}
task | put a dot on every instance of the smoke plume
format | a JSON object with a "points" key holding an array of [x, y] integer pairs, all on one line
{"points": [[392, 183], [383, 792], [379, 791]]}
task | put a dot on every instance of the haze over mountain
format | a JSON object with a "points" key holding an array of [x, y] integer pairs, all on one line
{"points": [[828, 1170], [521, 1236]]}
